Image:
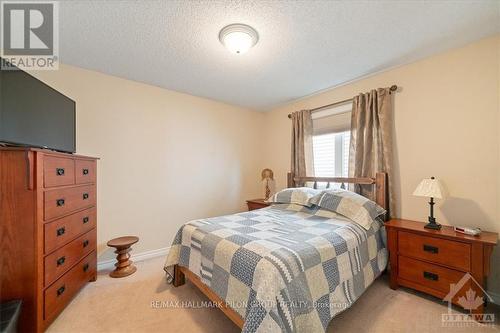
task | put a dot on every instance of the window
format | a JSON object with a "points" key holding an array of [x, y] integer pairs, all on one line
{"points": [[331, 138], [331, 154]]}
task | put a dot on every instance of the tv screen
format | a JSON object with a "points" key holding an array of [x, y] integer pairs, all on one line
{"points": [[34, 114]]}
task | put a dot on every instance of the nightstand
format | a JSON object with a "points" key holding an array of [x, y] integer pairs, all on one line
{"points": [[257, 204], [432, 260]]}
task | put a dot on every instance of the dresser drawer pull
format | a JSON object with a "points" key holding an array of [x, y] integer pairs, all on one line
{"points": [[85, 196], [61, 261], [85, 267], [61, 231], [86, 243], [85, 171], [431, 276], [60, 291], [60, 171], [60, 202], [85, 219], [431, 249]]}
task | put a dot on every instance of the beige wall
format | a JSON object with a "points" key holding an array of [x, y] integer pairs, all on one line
{"points": [[166, 157], [446, 125]]}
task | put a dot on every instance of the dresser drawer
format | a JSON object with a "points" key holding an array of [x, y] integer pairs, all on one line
{"points": [[61, 260], [85, 171], [61, 231], [63, 290], [62, 201], [441, 251], [428, 275], [58, 171]]}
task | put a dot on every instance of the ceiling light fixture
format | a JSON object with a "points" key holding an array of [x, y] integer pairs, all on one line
{"points": [[238, 38]]}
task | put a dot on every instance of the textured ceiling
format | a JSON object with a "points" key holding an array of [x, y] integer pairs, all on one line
{"points": [[304, 46]]}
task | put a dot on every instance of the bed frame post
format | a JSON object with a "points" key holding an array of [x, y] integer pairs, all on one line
{"points": [[290, 180], [179, 278]]}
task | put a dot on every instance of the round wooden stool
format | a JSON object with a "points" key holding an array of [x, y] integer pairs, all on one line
{"points": [[124, 266]]}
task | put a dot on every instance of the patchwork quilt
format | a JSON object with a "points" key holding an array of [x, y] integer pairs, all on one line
{"points": [[285, 268]]}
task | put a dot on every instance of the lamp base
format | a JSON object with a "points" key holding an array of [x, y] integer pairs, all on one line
{"points": [[433, 225]]}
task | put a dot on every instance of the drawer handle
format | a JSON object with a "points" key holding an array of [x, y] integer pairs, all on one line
{"points": [[85, 196], [86, 243], [60, 202], [60, 291], [61, 231], [85, 219], [85, 267], [60, 171], [431, 249], [61, 261], [431, 276], [85, 171]]}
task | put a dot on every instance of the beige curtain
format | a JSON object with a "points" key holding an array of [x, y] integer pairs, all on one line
{"points": [[371, 140], [302, 148]]}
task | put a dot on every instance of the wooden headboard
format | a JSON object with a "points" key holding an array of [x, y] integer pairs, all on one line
{"points": [[380, 183]]}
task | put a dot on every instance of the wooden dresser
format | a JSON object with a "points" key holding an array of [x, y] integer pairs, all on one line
{"points": [[47, 231], [432, 260]]}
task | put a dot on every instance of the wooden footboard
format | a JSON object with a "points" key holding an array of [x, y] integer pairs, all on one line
{"points": [[180, 276]]}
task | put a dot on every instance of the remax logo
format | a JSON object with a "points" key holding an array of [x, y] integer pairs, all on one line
{"points": [[29, 34]]}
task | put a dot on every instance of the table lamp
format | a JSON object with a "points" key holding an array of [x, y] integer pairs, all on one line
{"points": [[268, 182], [430, 188]]}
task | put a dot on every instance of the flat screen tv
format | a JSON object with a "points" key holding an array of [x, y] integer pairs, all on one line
{"points": [[35, 115]]}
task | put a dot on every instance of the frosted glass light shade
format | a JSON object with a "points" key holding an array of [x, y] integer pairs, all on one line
{"points": [[431, 188], [238, 38]]}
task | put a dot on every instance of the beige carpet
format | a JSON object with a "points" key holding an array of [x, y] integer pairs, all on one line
{"points": [[124, 305]]}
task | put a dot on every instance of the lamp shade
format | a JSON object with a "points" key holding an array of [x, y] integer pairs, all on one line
{"points": [[429, 187]]}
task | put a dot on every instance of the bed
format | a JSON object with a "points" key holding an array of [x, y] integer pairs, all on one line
{"points": [[284, 268]]}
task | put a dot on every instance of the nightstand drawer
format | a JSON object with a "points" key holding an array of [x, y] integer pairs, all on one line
{"points": [[440, 251], [428, 275]]}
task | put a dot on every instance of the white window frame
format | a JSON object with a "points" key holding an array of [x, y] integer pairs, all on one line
{"points": [[339, 146]]}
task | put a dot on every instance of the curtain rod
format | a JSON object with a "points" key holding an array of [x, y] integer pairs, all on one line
{"points": [[392, 88]]}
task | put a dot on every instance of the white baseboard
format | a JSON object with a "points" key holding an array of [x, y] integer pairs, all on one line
{"points": [[110, 264], [495, 296]]}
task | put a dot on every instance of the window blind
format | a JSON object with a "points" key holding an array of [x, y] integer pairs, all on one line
{"points": [[332, 124], [331, 154]]}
